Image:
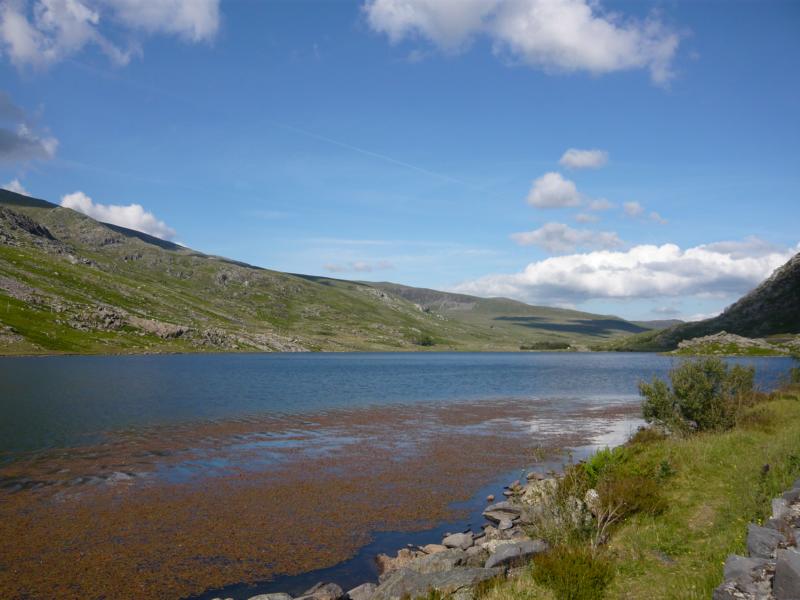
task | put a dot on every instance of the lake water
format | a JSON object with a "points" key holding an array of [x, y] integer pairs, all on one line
{"points": [[111, 463]]}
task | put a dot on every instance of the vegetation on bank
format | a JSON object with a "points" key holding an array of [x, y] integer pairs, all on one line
{"points": [[670, 505]]}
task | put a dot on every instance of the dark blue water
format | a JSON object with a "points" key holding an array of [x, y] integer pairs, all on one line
{"points": [[59, 401]]}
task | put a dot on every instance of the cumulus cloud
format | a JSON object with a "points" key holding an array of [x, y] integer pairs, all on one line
{"points": [[551, 190], [553, 35], [358, 266], [654, 216], [584, 159], [16, 186], [39, 33], [646, 271], [560, 238], [601, 204], [633, 209], [19, 138], [586, 218], [132, 216]]}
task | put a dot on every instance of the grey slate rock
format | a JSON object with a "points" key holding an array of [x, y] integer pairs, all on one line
{"points": [[502, 510], [280, 596], [362, 592], [786, 584], [440, 561], [458, 540], [457, 582], [515, 552], [323, 591], [792, 495], [738, 566], [762, 542]]}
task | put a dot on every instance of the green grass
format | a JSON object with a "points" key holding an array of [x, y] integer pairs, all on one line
{"points": [[711, 485]]}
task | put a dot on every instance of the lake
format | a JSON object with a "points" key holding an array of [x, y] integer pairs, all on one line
{"points": [[186, 475]]}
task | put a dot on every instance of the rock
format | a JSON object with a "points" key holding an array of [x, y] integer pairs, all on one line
{"points": [[502, 510], [433, 548], [792, 495], [458, 540], [362, 592], [533, 476], [323, 591], [387, 564], [280, 596], [475, 556], [505, 524], [780, 506], [457, 582], [513, 553], [762, 542], [737, 566], [490, 498], [592, 501], [786, 584], [440, 561]]}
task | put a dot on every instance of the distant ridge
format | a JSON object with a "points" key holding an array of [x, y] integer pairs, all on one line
{"points": [[69, 283]]}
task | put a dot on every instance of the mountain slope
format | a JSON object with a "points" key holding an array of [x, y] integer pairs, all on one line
{"points": [[71, 284], [772, 308]]}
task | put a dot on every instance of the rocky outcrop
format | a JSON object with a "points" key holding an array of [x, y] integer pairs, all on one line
{"points": [[772, 569]]}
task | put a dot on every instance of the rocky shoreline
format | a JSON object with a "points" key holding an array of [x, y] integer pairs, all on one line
{"points": [[772, 569], [462, 560]]}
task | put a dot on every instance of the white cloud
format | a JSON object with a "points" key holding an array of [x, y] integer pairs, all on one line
{"points": [[560, 238], [633, 209], [601, 204], [712, 270], [551, 190], [132, 216], [554, 35], [586, 218], [654, 216], [359, 266], [584, 159], [39, 33], [16, 186]]}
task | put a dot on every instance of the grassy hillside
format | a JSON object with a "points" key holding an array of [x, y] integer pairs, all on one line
{"points": [[71, 284]]}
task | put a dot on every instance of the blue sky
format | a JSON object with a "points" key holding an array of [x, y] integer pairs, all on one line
{"points": [[403, 140]]}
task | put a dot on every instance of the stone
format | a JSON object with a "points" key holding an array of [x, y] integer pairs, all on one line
{"points": [[737, 566], [475, 556], [362, 592], [505, 524], [490, 498], [534, 476], [762, 542], [280, 596], [458, 540], [323, 591], [387, 564], [433, 548], [780, 507], [792, 495], [440, 561], [514, 553], [457, 583], [786, 584]]}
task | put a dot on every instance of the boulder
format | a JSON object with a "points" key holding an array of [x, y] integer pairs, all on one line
{"points": [[439, 561], [280, 596], [433, 548], [505, 524], [762, 542], [737, 566], [792, 495], [387, 564], [362, 592], [513, 553], [475, 556], [780, 507], [457, 582], [502, 510], [323, 591], [458, 540], [786, 584]]}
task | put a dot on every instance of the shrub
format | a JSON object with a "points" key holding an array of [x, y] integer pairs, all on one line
{"points": [[706, 395], [574, 572], [423, 339], [602, 462]]}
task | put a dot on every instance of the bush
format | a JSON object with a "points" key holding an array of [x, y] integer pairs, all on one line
{"points": [[706, 395], [602, 462], [573, 572]]}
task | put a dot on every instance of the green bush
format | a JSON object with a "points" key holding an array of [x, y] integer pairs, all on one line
{"points": [[706, 395], [574, 572], [602, 462]]}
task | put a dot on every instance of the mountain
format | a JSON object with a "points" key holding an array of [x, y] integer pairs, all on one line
{"points": [[71, 284], [771, 309]]}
